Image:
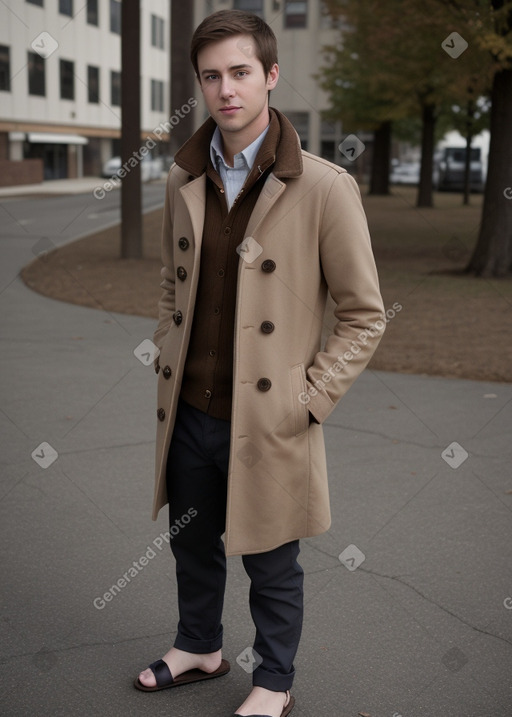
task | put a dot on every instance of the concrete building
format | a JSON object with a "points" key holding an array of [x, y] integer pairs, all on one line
{"points": [[60, 82], [302, 29], [60, 74]]}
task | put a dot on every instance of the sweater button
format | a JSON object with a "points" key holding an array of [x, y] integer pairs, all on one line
{"points": [[167, 372], [267, 327], [220, 272], [227, 231], [161, 414], [264, 384], [182, 273], [268, 266], [183, 243], [177, 317]]}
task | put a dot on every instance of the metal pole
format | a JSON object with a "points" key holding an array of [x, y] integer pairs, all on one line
{"points": [[131, 199]]}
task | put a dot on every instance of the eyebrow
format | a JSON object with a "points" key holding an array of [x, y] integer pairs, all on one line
{"points": [[233, 67]]}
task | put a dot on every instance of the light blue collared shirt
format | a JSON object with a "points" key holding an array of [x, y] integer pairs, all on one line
{"points": [[233, 178]]}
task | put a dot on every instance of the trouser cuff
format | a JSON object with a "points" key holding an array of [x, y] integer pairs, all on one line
{"points": [[272, 680], [198, 647]]}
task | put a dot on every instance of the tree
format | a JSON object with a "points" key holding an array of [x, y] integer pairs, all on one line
{"points": [[396, 67], [492, 255]]}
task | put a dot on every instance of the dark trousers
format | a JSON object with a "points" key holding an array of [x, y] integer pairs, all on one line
{"points": [[197, 469]]}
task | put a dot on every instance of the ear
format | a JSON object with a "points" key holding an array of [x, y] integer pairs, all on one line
{"points": [[273, 77]]}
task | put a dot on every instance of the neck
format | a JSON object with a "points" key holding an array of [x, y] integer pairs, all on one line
{"points": [[235, 142]]}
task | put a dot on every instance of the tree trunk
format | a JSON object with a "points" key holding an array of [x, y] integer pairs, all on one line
{"points": [[467, 169], [183, 84], [427, 156], [493, 252], [379, 181], [131, 199]]}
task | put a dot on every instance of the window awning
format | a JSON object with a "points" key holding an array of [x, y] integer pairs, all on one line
{"points": [[50, 138]]}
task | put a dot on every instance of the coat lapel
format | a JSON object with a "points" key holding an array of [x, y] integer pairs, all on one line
{"points": [[194, 196]]}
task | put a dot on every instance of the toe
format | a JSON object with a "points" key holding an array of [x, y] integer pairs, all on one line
{"points": [[147, 678]]}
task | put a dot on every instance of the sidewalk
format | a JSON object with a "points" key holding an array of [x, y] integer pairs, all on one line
{"points": [[84, 185], [415, 621]]}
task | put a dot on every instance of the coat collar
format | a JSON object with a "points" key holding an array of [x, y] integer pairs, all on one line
{"points": [[281, 147]]}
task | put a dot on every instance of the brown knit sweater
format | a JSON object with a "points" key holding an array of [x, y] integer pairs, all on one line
{"points": [[208, 375]]}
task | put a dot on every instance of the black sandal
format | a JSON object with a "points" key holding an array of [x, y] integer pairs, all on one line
{"points": [[164, 679]]}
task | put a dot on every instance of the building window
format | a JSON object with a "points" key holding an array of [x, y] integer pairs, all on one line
{"points": [[93, 84], [295, 14], [92, 12], [36, 2], [66, 7], [36, 77], [157, 96], [67, 80], [5, 68], [115, 16], [115, 88], [254, 6], [157, 32]]}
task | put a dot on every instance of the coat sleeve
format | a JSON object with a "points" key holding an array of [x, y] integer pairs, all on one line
{"points": [[349, 269], [166, 305]]}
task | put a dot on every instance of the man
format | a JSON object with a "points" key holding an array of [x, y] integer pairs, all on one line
{"points": [[255, 233]]}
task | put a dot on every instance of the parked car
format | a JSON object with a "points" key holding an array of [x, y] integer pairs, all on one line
{"points": [[449, 168], [150, 168], [405, 173]]}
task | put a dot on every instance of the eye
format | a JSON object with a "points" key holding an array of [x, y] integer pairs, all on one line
{"points": [[241, 73]]}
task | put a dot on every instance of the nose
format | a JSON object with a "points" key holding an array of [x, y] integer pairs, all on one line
{"points": [[226, 89]]}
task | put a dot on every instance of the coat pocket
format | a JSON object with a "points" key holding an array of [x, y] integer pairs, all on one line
{"points": [[299, 396]]}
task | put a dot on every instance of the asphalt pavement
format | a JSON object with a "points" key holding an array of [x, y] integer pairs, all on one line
{"points": [[408, 596]]}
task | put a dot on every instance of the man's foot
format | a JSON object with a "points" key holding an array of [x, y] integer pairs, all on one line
{"points": [[179, 662], [264, 702]]}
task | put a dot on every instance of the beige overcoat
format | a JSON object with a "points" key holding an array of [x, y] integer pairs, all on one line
{"points": [[307, 236]]}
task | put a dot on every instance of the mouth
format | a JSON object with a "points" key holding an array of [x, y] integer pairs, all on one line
{"points": [[229, 110]]}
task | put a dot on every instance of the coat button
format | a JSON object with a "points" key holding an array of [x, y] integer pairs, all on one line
{"points": [[161, 414], [167, 373], [182, 273], [264, 384], [207, 393], [267, 327], [268, 266], [183, 243], [177, 317]]}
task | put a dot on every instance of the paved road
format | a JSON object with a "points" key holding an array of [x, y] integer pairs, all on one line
{"points": [[415, 619], [29, 224]]}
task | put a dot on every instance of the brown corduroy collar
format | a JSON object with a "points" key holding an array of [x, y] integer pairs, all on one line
{"points": [[285, 148]]}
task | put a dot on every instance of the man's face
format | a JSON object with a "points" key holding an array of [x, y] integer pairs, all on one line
{"points": [[234, 84]]}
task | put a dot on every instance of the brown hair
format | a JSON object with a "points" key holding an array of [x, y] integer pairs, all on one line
{"points": [[226, 23]]}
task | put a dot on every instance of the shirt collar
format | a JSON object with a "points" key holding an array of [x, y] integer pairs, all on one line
{"points": [[245, 157]]}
